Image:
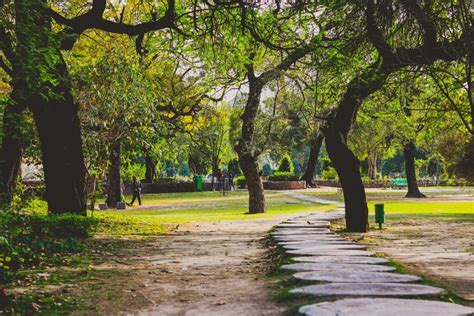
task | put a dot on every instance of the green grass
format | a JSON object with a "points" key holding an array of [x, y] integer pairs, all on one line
{"points": [[194, 207], [398, 209], [166, 211], [422, 209]]}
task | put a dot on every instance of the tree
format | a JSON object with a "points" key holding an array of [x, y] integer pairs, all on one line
{"points": [[433, 46], [44, 86], [117, 112]]}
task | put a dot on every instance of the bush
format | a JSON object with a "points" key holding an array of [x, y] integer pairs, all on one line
{"points": [[326, 163], [283, 176], [240, 181], [267, 170], [25, 240], [329, 174], [285, 164]]}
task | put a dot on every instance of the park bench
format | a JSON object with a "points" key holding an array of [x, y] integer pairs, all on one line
{"points": [[399, 183]]}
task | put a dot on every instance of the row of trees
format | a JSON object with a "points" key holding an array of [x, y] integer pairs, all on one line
{"points": [[323, 67]]}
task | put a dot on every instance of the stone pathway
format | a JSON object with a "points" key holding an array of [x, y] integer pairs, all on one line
{"points": [[344, 271]]}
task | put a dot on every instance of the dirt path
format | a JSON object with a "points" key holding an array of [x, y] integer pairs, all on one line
{"points": [[440, 250], [204, 269]]}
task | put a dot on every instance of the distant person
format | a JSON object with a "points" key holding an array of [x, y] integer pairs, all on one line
{"points": [[136, 190], [231, 176], [219, 177]]}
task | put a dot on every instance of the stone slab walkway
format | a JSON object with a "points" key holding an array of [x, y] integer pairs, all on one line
{"points": [[347, 271]]}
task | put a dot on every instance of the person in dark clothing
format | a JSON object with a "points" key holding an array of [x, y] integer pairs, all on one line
{"points": [[136, 190], [230, 175]]}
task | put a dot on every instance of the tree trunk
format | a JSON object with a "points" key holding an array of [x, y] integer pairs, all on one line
{"points": [[410, 170], [11, 152], [347, 167], [245, 149], [344, 161], [249, 167], [114, 191], [46, 89], [63, 160], [308, 176], [372, 165], [150, 172]]}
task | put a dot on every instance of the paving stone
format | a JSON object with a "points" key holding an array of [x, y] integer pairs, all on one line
{"points": [[303, 225], [315, 217], [385, 307], [312, 266], [329, 252], [368, 289], [307, 237], [355, 277], [307, 222], [314, 246], [316, 242], [342, 259], [302, 231]]}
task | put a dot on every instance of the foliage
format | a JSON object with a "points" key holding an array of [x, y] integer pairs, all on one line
{"points": [[283, 176], [234, 167], [329, 174], [326, 163], [240, 181], [26, 239], [285, 164], [132, 169], [267, 169]]}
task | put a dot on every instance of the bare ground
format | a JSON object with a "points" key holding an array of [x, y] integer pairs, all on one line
{"points": [[203, 269], [439, 250]]}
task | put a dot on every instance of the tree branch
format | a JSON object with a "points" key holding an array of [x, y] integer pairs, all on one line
{"points": [[94, 19]]}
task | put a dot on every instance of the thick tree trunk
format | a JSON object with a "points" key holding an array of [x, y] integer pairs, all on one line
{"points": [[347, 167], [345, 162], [11, 152], [114, 191], [410, 171], [249, 167], [308, 176], [46, 89], [63, 160], [150, 169]]}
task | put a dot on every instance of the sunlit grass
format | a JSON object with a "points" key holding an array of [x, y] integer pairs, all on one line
{"points": [[400, 208], [202, 207]]}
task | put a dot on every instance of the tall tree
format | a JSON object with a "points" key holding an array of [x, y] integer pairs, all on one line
{"points": [[434, 46], [46, 89]]}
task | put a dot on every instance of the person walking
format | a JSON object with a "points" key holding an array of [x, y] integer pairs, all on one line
{"points": [[231, 176], [136, 190]]}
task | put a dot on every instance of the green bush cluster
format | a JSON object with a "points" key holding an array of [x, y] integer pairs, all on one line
{"points": [[240, 181], [457, 182], [329, 174], [25, 240], [285, 164], [283, 176]]}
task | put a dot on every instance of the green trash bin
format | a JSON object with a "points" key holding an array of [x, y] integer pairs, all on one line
{"points": [[379, 214], [198, 183]]}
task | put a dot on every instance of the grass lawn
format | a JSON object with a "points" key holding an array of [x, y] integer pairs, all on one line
{"points": [[176, 208], [398, 208], [162, 212]]}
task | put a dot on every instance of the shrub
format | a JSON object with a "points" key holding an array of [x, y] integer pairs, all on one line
{"points": [[283, 176], [25, 240], [240, 181], [325, 163], [329, 174], [267, 170], [285, 164]]}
